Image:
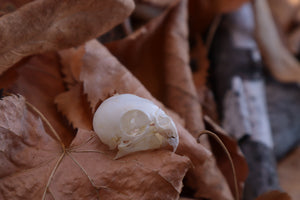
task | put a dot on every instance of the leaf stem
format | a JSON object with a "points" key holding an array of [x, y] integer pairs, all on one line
{"points": [[45, 120], [216, 137], [52, 174]]}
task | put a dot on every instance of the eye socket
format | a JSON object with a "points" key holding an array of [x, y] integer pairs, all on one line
{"points": [[163, 120], [134, 122]]}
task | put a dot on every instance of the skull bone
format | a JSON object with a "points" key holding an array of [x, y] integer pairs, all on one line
{"points": [[131, 123]]}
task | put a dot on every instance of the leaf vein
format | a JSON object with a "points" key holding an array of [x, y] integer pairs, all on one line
{"points": [[52, 174]]}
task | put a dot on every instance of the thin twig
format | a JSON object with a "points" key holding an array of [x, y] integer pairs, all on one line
{"points": [[228, 155], [212, 31], [45, 120], [127, 26], [87, 151]]}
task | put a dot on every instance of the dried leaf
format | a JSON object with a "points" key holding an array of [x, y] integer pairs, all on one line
{"points": [[288, 172], [71, 70], [147, 10], [158, 55], [25, 148], [161, 48], [223, 6], [286, 17], [102, 75], [284, 13], [205, 11], [71, 173], [77, 112], [238, 159], [200, 66], [293, 41], [38, 78], [56, 25], [274, 195], [180, 91], [281, 63], [85, 170]]}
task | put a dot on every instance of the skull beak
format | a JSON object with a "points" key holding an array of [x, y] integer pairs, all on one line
{"points": [[173, 141]]}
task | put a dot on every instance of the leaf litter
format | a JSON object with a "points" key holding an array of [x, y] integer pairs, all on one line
{"points": [[42, 157], [85, 170]]}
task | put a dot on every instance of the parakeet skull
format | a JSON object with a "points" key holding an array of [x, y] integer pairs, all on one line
{"points": [[131, 123]]}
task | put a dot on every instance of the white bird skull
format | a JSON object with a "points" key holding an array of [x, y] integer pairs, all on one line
{"points": [[131, 123]]}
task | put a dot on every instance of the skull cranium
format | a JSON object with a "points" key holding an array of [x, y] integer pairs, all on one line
{"points": [[131, 123]]}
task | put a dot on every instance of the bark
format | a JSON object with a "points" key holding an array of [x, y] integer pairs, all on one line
{"points": [[240, 91]]}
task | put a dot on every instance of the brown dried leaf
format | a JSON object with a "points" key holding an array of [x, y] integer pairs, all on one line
{"points": [[71, 70], [239, 161], [205, 11], [85, 170], [200, 66], [146, 10], [281, 63], [293, 41], [180, 91], [102, 75], [77, 112], [158, 55], [284, 13], [44, 25], [288, 172], [223, 6], [25, 148], [38, 78], [287, 17], [274, 195]]}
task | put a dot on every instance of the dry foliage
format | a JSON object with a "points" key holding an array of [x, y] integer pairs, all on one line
{"points": [[44, 25], [34, 154], [84, 170], [48, 149], [161, 47], [282, 64], [38, 78], [100, 64]]}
